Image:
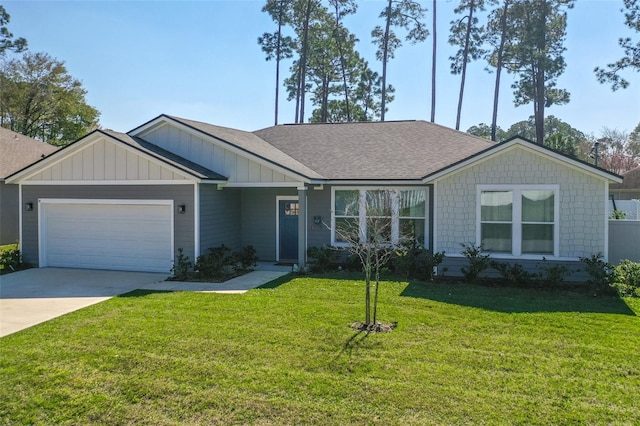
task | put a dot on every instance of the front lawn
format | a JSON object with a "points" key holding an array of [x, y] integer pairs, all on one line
{"points": [[285, 354]]}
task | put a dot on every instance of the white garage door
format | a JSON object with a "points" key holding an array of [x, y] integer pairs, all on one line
{"points": [[128, 237]]}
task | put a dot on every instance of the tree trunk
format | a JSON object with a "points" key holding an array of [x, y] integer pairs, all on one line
{"points": [[303, 66], [465, 54], [342, 64], [496, 92], [433, 68], [539, 89], [278, 47], [385, 52]]}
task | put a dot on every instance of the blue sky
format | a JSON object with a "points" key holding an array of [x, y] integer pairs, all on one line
{"points": [[200, 60]]}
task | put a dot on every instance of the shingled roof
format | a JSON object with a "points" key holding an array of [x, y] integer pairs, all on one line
{"points": [[18, 151], [390, 150]]}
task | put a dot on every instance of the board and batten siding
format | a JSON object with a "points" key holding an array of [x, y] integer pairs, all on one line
{"points": [[8, 213], [180, 194], [582, 200], [105, 160], [219, 217], [237, 168]]}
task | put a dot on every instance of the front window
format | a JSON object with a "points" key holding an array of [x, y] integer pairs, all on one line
{"points": [[388, 216], [519, 220]]}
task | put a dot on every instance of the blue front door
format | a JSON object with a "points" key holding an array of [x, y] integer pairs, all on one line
{"points": [[288, 229]]}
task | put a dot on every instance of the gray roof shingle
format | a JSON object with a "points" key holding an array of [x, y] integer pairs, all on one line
{"points": [[18, 151], [390, 150]]}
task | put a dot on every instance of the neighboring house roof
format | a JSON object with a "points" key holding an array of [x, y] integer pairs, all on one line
{"points": [[390, 150], [165, 156], [18, 151], [631, 180]]}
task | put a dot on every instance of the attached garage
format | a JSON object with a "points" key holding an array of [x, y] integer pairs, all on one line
{"points": [[106, 234]]}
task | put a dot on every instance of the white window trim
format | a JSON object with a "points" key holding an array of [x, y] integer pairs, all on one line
{"points": [[395, 214], [516, 219]]}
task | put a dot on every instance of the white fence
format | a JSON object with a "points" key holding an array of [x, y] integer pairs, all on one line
{"points": [[631, 208]]}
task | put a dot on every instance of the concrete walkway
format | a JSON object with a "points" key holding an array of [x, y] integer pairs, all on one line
{"points": [[37, 295]]}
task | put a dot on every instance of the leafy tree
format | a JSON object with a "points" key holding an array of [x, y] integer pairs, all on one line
{"points": [[534, 54], [405, 14], [485, 131], [7, 42], [631, 58], [469, 36], [562, 143], [618, 151], [275, 45], [552, 126], [38, 98]]}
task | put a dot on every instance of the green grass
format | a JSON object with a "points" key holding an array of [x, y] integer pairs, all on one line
{"points": [[284, 354]]}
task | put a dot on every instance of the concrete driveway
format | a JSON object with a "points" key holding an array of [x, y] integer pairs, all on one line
{"points": [[36, 295]]}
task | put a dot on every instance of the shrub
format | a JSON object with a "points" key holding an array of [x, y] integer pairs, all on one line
{"points": [[618, 215], [413, 260], [11, 260], [182, 267], [246, 258], [599, 271], [478, 262], [626, 278], [219, 261], [554, 275], [323, 259], [514, 273]]}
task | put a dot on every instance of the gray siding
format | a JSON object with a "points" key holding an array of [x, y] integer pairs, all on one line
{"points": [[180, 194], [219, 217], [452, 267], [258, 219], [9, 214], [582, 200], [319, 204], [624, 240]]}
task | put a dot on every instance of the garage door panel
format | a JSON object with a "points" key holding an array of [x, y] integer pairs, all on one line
{"points": [[108, 236]]}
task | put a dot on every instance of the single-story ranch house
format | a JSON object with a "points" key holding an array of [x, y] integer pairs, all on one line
{"points": [[129, 201], [16, 152]]}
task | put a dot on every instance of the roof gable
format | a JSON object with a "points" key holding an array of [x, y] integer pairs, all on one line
{"points": [[516, 141], [222, 143], [107, 156], [18, 151]]}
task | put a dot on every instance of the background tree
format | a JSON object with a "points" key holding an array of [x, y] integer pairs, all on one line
{"points": [[469, 36], [618, 151], [497, 36], [405, 14], [631, 58], [342, 8], [39, 99], [535, 55], [7, 42], [433, 63], [485, 131], [275, 45]]}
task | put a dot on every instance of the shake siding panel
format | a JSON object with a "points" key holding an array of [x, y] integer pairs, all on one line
{"points": [[581, 226]]}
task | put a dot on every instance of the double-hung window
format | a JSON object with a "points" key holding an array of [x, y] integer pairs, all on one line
{"points": [[389, 216], [518, 220]]}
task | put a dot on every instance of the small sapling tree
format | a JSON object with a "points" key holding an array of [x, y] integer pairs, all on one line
{"points": [[369, 238]]}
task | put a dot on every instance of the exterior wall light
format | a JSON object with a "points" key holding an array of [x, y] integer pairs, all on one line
{"points": [[182, 209], [28, 207]]}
